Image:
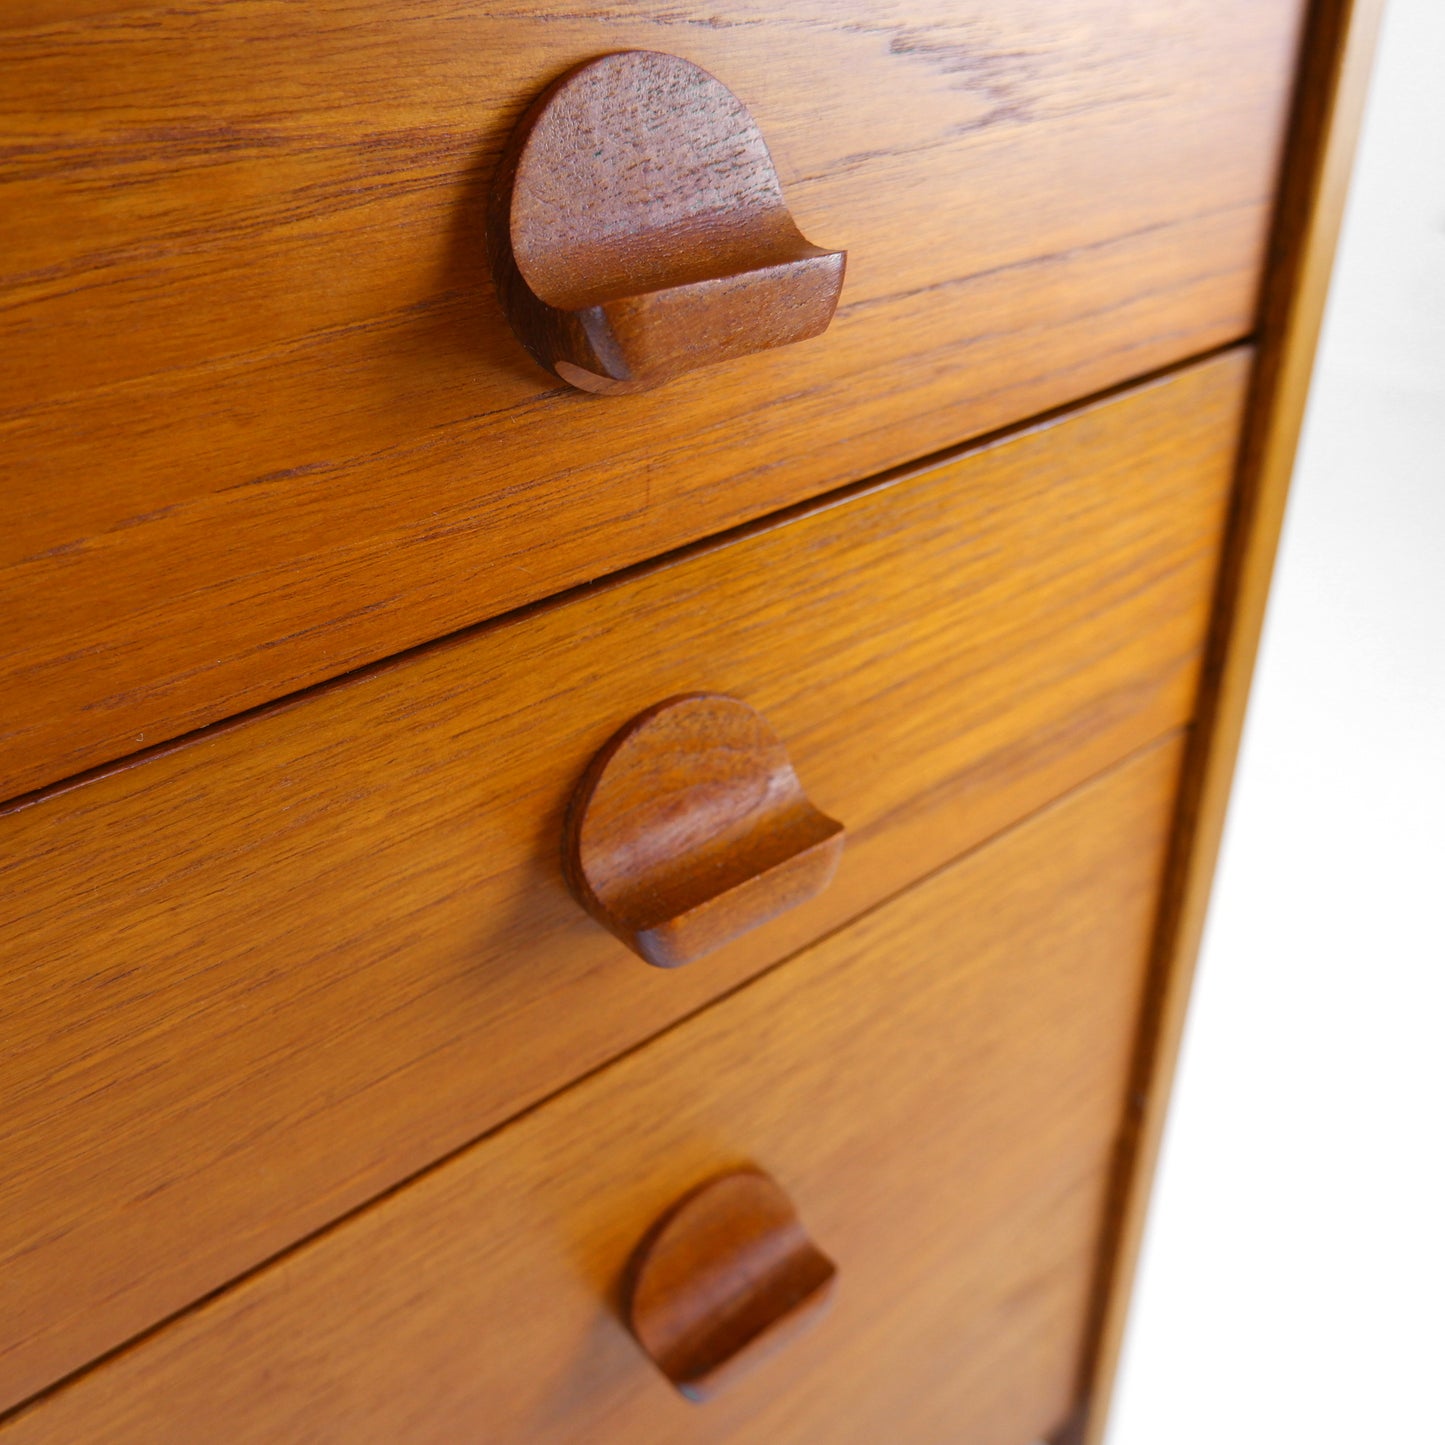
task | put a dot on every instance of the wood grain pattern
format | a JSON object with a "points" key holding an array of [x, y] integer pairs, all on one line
{"points": [[723, 1280], [638, 231], [1334, 78], [256, 978], [941, 1104], [690, 828], [261, 419]]}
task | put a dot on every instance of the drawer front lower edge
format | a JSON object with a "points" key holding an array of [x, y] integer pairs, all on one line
{"points": [[261, 420]]}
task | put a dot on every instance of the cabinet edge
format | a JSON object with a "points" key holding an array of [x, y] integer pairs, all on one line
{"points": [[1336, 55]]}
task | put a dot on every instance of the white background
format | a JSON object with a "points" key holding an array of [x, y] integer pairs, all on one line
{"points": [[1293, 1278]]}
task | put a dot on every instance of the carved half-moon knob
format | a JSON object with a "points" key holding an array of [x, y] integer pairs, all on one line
{"points": [[637, 229], [723, 1279], [690, 828]]}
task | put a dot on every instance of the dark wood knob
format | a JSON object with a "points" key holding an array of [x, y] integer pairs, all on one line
{"points": [[722, 1280], [637, 229], [690, 828]]}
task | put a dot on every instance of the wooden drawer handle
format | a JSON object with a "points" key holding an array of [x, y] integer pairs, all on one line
{"points": [[690, 828], [637, 229], [723, 1279]]}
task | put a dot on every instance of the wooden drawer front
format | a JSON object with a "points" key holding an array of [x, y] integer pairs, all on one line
{"points": [[256, 978], [939, 1088], [262, 420]]}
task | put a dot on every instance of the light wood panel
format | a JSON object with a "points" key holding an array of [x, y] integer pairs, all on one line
{"points": [[256, 978], [938, 1088], [261, 420]]}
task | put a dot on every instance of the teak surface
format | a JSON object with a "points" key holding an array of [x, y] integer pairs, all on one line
{"points": [[256, 978], [690, 828], [637, 229], [725, 1279], [942, 1104], [261, 419]]}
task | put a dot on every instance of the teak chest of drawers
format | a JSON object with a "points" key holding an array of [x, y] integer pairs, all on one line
{"points": [[330, 1107]]}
